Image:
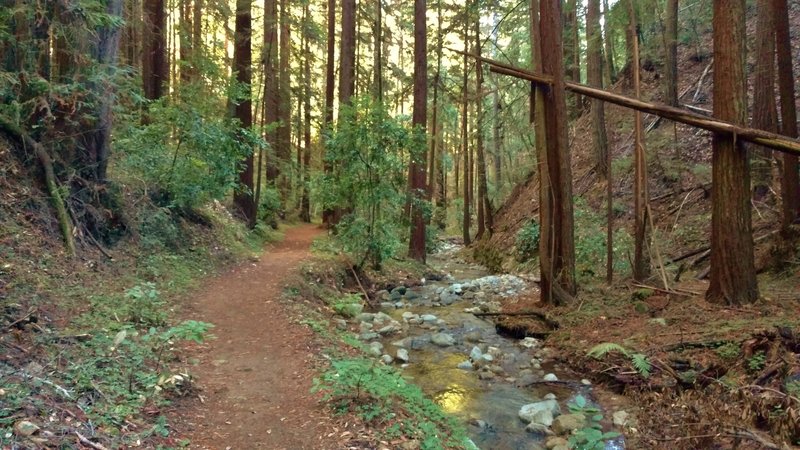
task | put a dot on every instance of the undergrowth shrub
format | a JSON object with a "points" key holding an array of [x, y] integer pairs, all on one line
{"points": [[185, 151], [368, 153], [590, 243], [527, 241]]}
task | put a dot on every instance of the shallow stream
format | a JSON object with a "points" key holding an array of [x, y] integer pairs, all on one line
{"points": [[461, 361]]}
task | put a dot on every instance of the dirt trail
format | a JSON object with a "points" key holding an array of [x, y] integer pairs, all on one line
{"points": [[256, 375]]}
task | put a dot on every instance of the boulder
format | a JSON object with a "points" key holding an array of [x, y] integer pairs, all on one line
{"points": [[466, 365], [527, 412]]}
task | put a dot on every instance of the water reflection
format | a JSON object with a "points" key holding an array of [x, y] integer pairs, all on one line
{"points": [[453, 399]]}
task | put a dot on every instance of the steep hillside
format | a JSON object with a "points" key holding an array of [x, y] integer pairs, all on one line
{"points": [[679, 159]]}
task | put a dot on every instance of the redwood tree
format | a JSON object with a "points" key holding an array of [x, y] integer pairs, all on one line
{"points": [[790, 182], [765, 112], [155, 70], [242, 59], [733, 275], [557, 243], [416, 246], [330, 88]]}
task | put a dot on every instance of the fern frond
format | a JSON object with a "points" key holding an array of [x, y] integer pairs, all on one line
{"points": [[641, 364], [600, 350]]}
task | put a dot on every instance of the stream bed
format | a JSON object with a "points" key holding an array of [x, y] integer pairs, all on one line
{"points": [[480, 377]]}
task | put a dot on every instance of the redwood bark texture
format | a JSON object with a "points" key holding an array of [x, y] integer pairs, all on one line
{"points": [[155, 70], [330, 88], [765, 112], [242, 59], [733, 275], [557, 243], [416, 246], [790, 182]]}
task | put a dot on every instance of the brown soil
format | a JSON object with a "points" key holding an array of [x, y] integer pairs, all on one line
{"points": [[255, 377]]}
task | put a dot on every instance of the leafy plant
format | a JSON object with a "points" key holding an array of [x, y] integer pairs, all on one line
{"points": [[591, 436], [757, 362], [729, 351], [527, 241], [368, 153], [639, 361]]}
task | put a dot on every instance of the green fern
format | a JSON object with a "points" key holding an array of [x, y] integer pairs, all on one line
{"points": [[641, 364], [600, 350], [638, 360]]}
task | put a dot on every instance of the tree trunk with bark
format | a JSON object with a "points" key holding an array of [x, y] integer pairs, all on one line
{"points": [[790, 181], [416, 246], [305, 203], [557, 245], [155, 69], [671, 53], [271, 88], [330, 88], [465, 145], [733, 276], [283, 151], [242, 59], [765, 112]]}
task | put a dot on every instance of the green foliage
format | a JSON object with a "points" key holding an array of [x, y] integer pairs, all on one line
{"points": [[187, 151], [639, 361], [590, 437], [756, 362], [270, 208], [527, 241], [368, 181], [729, 351], [381, 396], [590, 246], [349, 305]]}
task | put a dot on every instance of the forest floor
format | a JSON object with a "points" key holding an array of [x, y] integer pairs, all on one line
{"points": [[256, 375]]}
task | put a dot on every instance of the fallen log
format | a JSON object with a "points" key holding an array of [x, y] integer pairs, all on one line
{"points": [[764, 138]]}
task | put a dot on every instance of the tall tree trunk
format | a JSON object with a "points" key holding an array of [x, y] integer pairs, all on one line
{"points": [[185, 40], [671, 54], [790, 182], [197, 37], [155, 69], [271, 89], [641, 264], [378, 57], [594, 74], [305, 204], [497, 135], [572, 51], [465, 144], [283, 151], [765, 112], [347, 57], [330, 88], [733, 276], [611, 70], [433, 160], [484, 207], [242, 58], [557, 245], [416, 246]]}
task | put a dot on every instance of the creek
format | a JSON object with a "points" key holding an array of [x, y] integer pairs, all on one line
{"points": [[460, 360]]}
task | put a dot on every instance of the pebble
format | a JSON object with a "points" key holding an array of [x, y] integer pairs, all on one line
{"points": [[25, 428], [586, 382], [620, 418], [466, 365], [443, 339], [387, 359], [375, 349], [402, 355], [550, 377]]}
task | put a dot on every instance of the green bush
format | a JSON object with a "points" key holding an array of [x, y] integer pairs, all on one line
{"points": [[270, 208], [368, 153], [186, 152], [527, 241]]}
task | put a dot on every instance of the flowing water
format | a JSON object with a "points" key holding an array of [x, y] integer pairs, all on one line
{"points": [[486, 399]]}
